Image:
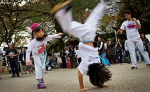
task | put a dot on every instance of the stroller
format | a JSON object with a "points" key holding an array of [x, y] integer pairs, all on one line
{"points": [[48, 66], [30, 69]]}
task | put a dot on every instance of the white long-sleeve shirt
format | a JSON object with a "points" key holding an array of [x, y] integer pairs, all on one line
{"points": [[38, 47]]}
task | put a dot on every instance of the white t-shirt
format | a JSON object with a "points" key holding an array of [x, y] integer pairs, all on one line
{"points": [[131, 29], [38, 47], [59, 60], [89, 56], [78, 54]]}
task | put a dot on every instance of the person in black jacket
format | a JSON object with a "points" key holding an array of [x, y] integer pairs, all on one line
{"points": [[22, 60], [12, 55], [102, 50], [63, 54], [118, 47]]}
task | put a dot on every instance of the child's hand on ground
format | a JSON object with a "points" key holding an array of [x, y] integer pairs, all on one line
{"points": [[28, 63], [84, 89], [60, 34]]}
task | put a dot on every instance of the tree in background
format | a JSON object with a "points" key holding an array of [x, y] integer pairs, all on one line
{"points": [[16, 16]]}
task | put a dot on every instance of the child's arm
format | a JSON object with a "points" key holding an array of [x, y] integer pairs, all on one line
{"points": [[80, 78], [28, 61], [50, 37]]}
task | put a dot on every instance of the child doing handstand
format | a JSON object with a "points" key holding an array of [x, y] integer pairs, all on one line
{"points": [[90, 64]]}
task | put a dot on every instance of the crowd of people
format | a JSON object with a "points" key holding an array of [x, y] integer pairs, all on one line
{"points": [[116, 52], [15, 61]]}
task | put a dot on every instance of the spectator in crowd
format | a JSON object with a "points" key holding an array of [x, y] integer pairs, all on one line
{"points": [[49, 55], [118, 47], [59, 62], [71, 55], [22, 60], [62, 55], [111, 54], [102, 49], [145, 41], [106, 44], [1, 62], [55, 61], [100, 46], [78, 55], [12, 55]]}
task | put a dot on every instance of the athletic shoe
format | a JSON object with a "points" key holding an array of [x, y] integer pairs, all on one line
{"points": [[61, 5], [134, 67], [12, 76], [18, 75], [41, 86], [148, 65]]}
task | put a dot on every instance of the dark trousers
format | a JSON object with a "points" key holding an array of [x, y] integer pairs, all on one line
{"points": [[79, 60], [119, 54], [112, 59], [60, 65], [14, 68], [64, 65], [73, 61]]}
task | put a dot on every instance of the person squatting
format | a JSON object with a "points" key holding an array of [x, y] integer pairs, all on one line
{"points": [[90, 64], [38, 48]]}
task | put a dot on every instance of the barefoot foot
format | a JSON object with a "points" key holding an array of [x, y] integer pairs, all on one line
{"points": [[84, 89]]}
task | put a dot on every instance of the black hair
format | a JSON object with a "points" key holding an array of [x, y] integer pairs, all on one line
{"points": [[128, 12], [37, 29], [96, 37], [98, 74], [22, 49]]}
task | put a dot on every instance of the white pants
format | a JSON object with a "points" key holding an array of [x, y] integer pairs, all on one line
{"points": [[139, 55], [38, 71], [137, 42], [77, 29]]}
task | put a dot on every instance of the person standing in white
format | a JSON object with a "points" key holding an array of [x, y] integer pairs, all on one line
{"points": [[38, 48], [131, 26]]}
